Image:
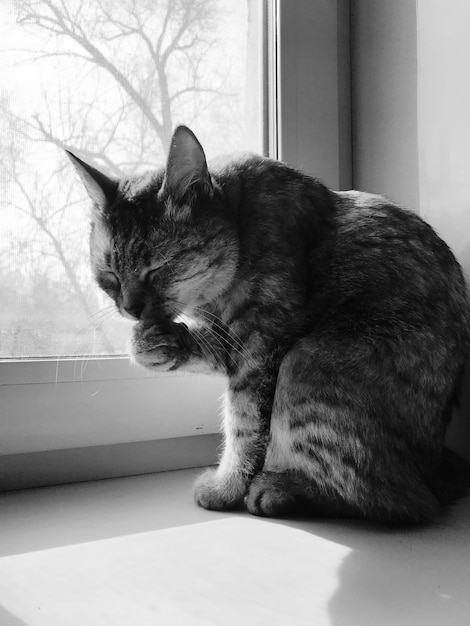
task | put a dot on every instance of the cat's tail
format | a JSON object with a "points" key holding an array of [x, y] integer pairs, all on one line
{"points": [[452, 479]]}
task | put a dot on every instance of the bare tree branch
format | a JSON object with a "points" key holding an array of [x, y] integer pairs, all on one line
{"points": [[116, 111], [96, 56]]}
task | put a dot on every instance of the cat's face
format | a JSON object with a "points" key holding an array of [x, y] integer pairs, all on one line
{"points": [[160, 244]]}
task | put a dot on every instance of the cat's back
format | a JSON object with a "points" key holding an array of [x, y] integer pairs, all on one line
{"points": [[386, 269], [368, 217], [371, 228]]}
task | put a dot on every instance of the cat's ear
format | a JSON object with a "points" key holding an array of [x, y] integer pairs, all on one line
{"points": [[186, 170], [101, 189]]}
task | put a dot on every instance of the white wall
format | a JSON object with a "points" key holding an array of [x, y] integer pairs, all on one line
{"points": [[443, 99], [411, 122], [443, 89]]}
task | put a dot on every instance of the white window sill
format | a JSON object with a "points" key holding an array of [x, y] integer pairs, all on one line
{"points": [[55, 405], [70, 421], [138, 550], [72, 465]]}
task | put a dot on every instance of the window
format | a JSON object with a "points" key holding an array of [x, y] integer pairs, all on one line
{"points": [[110, 80], [242, 98]]}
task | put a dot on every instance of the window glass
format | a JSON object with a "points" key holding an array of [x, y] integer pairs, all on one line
{"points": [[110, 79]]}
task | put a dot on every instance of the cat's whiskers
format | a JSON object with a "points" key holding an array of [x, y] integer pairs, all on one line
{"points": [[231, 339], [225, 342], [215, 319], [199, 338], [104, 314], [203, 342], [228, 338]]}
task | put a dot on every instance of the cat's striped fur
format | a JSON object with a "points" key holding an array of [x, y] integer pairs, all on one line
{"points": [[340, 320]]}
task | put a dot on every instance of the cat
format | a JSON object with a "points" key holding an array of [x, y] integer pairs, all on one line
{"points": [[340, 320]]}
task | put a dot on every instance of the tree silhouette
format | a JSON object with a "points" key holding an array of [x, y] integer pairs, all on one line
{"points": [[133, 69], [156, 53]]}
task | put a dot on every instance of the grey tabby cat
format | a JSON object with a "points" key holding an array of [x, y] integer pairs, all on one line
{"points": [[340, 320]]}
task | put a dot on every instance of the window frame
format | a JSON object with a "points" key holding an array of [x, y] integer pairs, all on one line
{"points": [[317, 144]]}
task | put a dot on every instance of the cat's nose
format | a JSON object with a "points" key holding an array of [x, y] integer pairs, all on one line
{"points": [[134, 310], [132, 303]]}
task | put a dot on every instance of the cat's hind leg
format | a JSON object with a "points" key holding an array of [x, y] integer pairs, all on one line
{"points": [[280, 494], [274, 494], [346, 439]]}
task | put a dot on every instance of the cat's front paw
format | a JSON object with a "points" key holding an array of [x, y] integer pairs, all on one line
{"points": [[218, 493], [155, 349]]}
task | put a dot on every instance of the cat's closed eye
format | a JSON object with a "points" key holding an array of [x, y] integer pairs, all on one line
{"points": [[150, 275], [108, 281]]}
